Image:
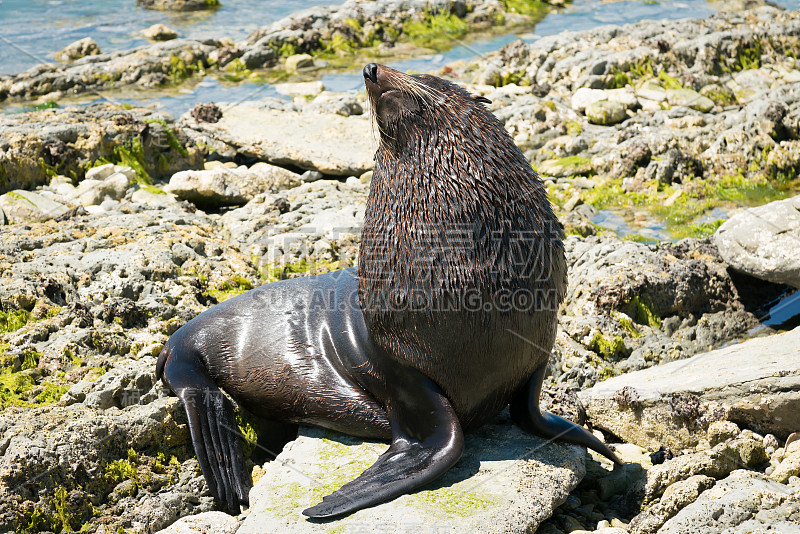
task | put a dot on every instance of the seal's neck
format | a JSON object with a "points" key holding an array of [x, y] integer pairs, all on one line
{"points": [[454, 209]]}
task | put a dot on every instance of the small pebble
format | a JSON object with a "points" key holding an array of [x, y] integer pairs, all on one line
{"points": [[571, 524], [596, 516], [585, 510], [771, 442], [703, 445], [571, 503]]}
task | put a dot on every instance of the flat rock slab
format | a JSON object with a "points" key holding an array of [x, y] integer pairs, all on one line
{"points": [[324, 142], [25, 207], [755, 383], [507, 481], [205, 523], [742, 502], [764, 241]]}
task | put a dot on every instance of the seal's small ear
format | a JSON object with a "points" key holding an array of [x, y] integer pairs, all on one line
{"points": [[479, 98]]}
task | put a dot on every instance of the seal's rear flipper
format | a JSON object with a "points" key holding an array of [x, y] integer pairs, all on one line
{"points": [[426, 441], [525, 412], [212, 426]]}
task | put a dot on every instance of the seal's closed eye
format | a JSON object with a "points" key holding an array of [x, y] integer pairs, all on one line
{"points": [[479, 98]]}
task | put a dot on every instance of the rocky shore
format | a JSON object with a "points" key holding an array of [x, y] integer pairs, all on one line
{"points": [[120, 224], [330, 34]]}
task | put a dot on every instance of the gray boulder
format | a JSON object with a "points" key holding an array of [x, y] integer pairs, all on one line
{"points": [[207, 188], [690, 99], [92, 192], [507, 481], [743, 502], [159, 32], [764, 241], [225, 187], [153, 197], [179, 5], [675, 498], [344, 104], [755, 383], [85, 47], [25, 207], [205, 523], [606, 112]]}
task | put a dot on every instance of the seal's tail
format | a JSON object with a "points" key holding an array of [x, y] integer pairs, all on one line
{"points": [[162, 361], [212, 423]]}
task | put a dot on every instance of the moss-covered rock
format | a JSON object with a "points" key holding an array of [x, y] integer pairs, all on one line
{"points": [[498, 485], [606, 112], [81, 138]]}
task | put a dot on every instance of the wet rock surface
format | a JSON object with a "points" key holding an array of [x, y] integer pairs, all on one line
{"points": [[179, 5], [146, 67]]}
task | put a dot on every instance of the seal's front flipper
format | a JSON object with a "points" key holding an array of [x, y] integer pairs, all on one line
{"points": [[426, 441], [213, 429], [525, 412]]}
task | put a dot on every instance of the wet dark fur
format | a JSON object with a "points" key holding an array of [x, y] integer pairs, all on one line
{"points": [[455, 210]]}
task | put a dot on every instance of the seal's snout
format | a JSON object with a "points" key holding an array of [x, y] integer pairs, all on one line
{"points": [[371, 72]]}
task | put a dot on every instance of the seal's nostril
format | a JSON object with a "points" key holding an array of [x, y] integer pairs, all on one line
{"points": [[371, 72]]}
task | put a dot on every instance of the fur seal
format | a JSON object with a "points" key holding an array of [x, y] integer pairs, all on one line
{"points": [[449, 317]]}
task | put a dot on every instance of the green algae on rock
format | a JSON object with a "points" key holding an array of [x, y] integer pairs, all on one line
{"points": [[95, 135]]}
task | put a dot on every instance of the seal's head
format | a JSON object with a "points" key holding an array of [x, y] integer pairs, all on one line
{"points": [[405, 105]]}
